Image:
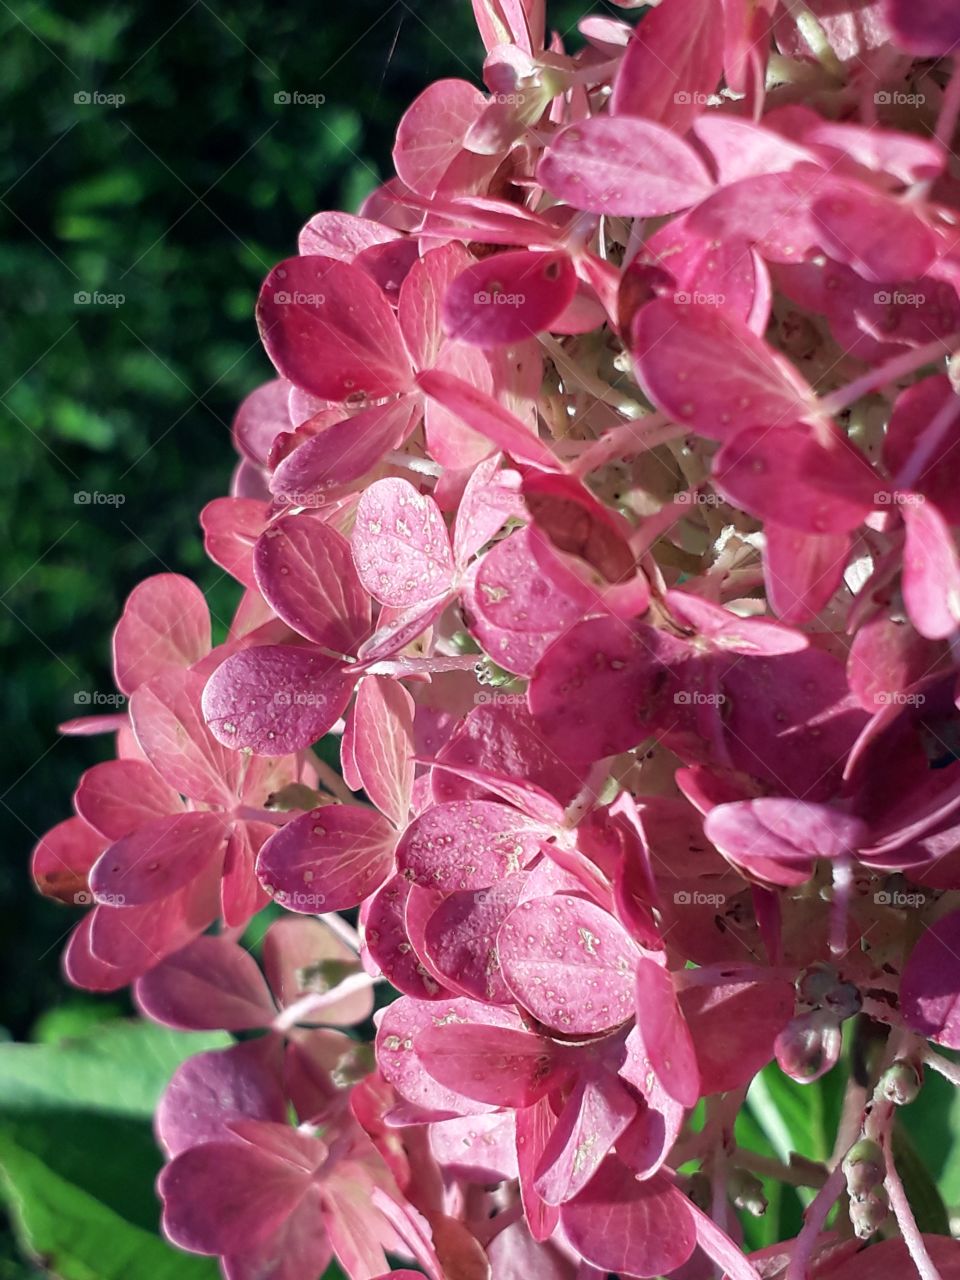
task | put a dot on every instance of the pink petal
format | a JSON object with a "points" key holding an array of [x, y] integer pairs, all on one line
{"points": [[421, 300], [213, 1089], [514, 610], [430, 135], [327, 860], [490, 498], [329, 463], [262, 415], [295, 952], [801, 571], [780, 839], [634, 1228], [383, 745], [785, 475], [171, 731], [213, 983], [569, 963], [467, 844], [231, 526], [508, 297], [275, 698], [931, 572], [134, 939], [461, 939], [485, 415], [481, 1148], [930, 984], [157, 859], [493, 1064], [119, 796], [594, 1116], [708, 369], [241, 895], [305, 572], [672, 64], [389, 945], [165, 623], [770, 210], [664, 1034], [880, 236], [329, 329], [734, 1027], [342, 235], [223, 1197], [400, 545], [62, 859], [622, 165]]}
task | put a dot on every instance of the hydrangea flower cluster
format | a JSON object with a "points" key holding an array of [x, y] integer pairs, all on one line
{"points": [[604, 507]]}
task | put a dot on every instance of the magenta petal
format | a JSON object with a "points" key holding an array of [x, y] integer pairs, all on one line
{"points": [[931, 571], [493, 1064], [430, 135], [880, 236], [212, 983], [62, 859], [664, 1034], [158, 858], [421, 300], [461, 939], [342, 235], [329, 329], [623, 165], [708, 369], [231, 526], [275, 698], [327, 860], [225, 1197], [119, 796], [468, 844], [485, 415], [569, 963], [769, 833], [165, 622], [400, 545], [389, 945], [930, 984], [383, 746], [210, 1090], [642, 1229], [305, 572], [508, 298], [734, 1027], [802, 570], [594, 1116], [399, 1057]]}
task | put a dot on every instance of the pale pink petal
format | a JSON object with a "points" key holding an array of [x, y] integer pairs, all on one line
{"points": [[158, 858], [118, 796], [327, 860], [468, 844], [165, 623], [400, 545], [213, 983], [508, 297], [383, 745]]}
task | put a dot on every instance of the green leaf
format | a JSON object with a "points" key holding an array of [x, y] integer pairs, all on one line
{"points": [[928, 1208], [76, 1237], [78, 1160]]}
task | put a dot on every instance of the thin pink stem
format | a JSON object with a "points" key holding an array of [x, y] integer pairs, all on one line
{"points": [[889, 371], [814, 1221], [907, 1222], [949, 109]]}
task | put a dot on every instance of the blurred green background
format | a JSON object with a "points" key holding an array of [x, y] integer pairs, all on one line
{"points": [[143, 154]]}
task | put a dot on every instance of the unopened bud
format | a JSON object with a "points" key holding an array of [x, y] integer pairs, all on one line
{"points": [[900, 1083], [822, 987], [699, 1190], [295, 795], [746, 1191], [809, 1045], [864, 1168], [869, 1214], [319, 978], [354, 1065]]}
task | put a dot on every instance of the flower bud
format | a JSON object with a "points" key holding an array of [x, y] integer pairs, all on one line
{"points": [[699, 1191], [822, 987], [900, 1083], [864, 1168], [869, 1214], [746, 1191], [809, 1045]]}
